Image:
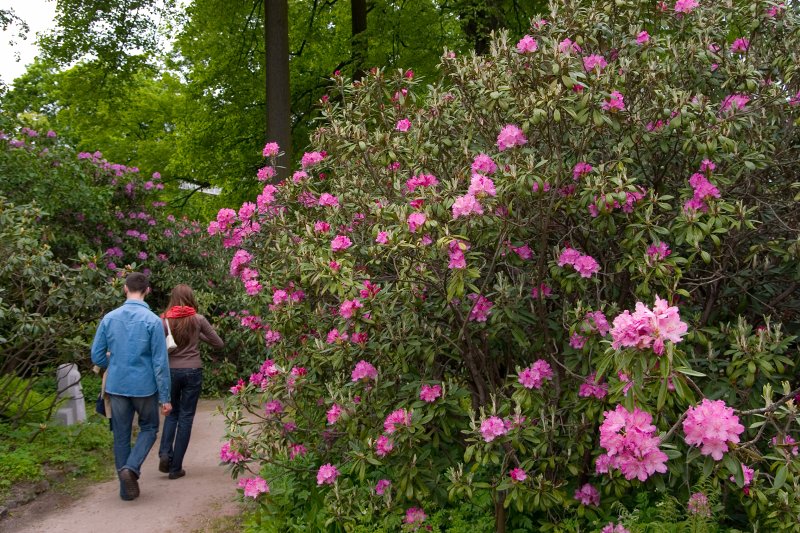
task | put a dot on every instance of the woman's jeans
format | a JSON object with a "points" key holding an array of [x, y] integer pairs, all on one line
{"points": [[186, 386]]}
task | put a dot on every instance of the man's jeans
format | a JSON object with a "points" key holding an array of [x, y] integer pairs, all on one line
{"points": [[186, 386], [122, 409]]}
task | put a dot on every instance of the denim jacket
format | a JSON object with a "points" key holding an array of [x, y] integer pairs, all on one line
{"points": [[138, 364]]}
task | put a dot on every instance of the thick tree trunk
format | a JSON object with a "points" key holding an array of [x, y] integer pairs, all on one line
{"points": [[358, 42], [276, 45]]}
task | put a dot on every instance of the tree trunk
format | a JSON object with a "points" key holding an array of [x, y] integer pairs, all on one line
{"points": [[358, 40], [276, 47]]}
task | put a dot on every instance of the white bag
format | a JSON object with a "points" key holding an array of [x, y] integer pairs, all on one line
{"points": [[171, 344]]}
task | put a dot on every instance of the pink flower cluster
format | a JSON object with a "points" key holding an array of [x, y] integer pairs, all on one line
{"points": [[456, 250], [698, 505], [271, 150], [400, 417], [535, 375], [253, 486], [631, 197], [594, 62], [348, 308], [712, 424], [647, 328], [585, 265], [615, 102], [493, 427], [421, 180], [228, 455], [415, 221], [429, 393], [480, 308], [466, 205], [658, 251], [381, 486], [340, 242], [527, 45], [787, 444], [630, 441], [591, 387], [403, 125], [383, 446], [581, 169], [734, 102], [611, 527], [685, 6], [483, 164], [481, 186], [509, 137], [311, 159], [365, 371], [327, 474], [740, 45], [703, 189], [518, 475], [415, 516], [588, 495]]}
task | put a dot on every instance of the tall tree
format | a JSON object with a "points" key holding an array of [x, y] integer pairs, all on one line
{"points": [[276, 38], [358, 45]]}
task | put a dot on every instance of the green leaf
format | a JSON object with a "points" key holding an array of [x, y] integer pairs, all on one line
{"points": [[780, 477]]}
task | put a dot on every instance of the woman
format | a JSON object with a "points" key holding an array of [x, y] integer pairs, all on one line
{"points": [[188, 328]]}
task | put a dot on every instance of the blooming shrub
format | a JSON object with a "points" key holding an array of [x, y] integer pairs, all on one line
{"points": [[573, 239]]}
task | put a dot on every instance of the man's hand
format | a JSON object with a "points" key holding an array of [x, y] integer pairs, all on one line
{"points": [[166, 408]]}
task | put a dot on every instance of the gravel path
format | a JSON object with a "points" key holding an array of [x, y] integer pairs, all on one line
{"points": [[181, 505]]}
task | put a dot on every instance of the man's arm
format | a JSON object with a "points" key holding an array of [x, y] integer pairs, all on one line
{"points": [[100, 346], [158, 350]]}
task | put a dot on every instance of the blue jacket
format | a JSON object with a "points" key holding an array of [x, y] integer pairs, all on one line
{"points": [[138, 363]]}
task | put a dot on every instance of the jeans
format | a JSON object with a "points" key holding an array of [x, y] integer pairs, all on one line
{"points": [[186, 386], [122, 410]]}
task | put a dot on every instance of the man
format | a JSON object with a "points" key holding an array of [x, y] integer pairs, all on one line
{"points": [[130, 341]]}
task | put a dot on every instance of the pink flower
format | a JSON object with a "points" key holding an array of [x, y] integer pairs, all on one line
{"points": [[239, 387], [271, 149], [403, 125], [642, 38], [712, 425], [568, 256], [429, 393], [614, 103], [266, 173], [577, 341], [273, 407], [685, 6], [518, 475], [631, 443], [586, 266], [659, 251], [415, 220], [614, 528], [594, 62], [333, 413], [698, 505], [787, 444], [381, 486], [311, 159], [543, 290], [299, 176], [740, 45], [359, 338], [253, 486], [383, 446], [481, 186], [492, 428], [421, 180], [567, 47], [365, 371], [534, 376], [320, 226], [645, 328], [340, 242], [734, 102], [591, 387], [465, 206], [382, 238], [595, 321], [527, 45], [415, 516], [456, 251], [334, 336], [400, 417], [483, 164], [509, 137], [252, 287], [581, 169], [328, 200], [297, 449], [229, 455], [327, 474], [480, 309], [588, 495], [348, 307]]}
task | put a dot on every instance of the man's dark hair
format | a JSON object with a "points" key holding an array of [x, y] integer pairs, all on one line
{"points": [[137, 282]]}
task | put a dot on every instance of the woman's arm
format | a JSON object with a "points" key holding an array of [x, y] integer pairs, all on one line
{"points": [[207, 333]]}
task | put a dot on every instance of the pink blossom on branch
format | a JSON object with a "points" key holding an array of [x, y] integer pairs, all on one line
{"points": [[429, 393], [740, 45], [456, 251], [364, 371], [481, 186], [509, 137], [382, 486], [712, 425], [595, 63], [348, 308], [421, 180], [271, 150], [465, 206], [631, 443], [588, 495], [642, 38], [400, 417], [383, 446], [415, 221], [483, 164], [333, 414], [311, 159], [685, 6], [253, 486], [518, 475], [535, 375], [403, 125], [382, 238], [527, 45], [415, 516], [327, 474], [340, 242], [615, 102], [493, 427], [480, 308], [645, 328]]}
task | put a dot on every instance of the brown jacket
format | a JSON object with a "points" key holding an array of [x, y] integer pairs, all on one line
{"points": [[188, 356]]}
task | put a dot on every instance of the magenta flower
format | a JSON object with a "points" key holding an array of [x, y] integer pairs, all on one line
{"points": [[524, 252], [415, 221], [577, 341], [527, 45], [381, 486], [252, 287], [253, 486], [517, 474], [645, 328], [382, 238], [340, 242], [266, 173], [415, 516], [273, 407], [296, 450], [685, 6], [787, 445], [229, 455], [456, 251], [588, 495], [299, 175], [421, 180], [400, 417], [594, 62], [348, 308], [333, 413], [481, 308], [320, 226], [740, 45], [734, 102], [335, 336], [403, 125], [642, 38], [534, 376], [586, 266], [359, 337], [481, 186], [712, 425], [364, 370], [383, 446], [567, 47], [591, 387], [611, 527], [631, 443], [581, 169], [328, 200], [311, 159], [698, 505], [616, 102], [493, 427], [327, 474], [465, 206], [483, 164], [271, 149], [429, 393], [658, 251], [509, 137], [568, 257]]}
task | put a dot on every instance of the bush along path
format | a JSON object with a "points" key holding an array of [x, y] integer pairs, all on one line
{"points": [[185, 504]]}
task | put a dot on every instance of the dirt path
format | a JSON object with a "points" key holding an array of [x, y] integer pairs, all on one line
{"points": [[181, 505]]}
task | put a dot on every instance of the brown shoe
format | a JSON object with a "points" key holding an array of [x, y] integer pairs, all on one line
{"points": [[163, 464], [129, 482], [178, 474]]}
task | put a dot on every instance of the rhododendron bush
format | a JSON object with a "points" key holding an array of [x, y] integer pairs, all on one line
{"points": [[554, 281]]}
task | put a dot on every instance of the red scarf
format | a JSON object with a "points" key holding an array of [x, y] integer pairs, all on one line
{"points": [[180, 311]]}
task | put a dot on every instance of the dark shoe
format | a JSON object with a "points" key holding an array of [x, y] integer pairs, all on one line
{"points": [[163, 464], [130, 483], [176, 475]]}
